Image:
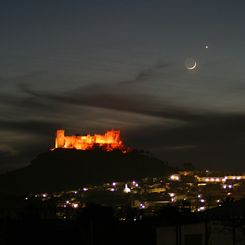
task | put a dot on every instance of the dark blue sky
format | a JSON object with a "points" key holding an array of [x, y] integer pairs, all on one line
{"points": [[89, 66]]}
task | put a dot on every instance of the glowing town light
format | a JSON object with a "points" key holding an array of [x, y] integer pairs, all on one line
{"points": [[75, 205], [229, 186], [175, 177], [207, 179], [126, 189], [202, 200], [201, 209], [212, 179], [202, 184], [26, 198], [44, 195], [238, 178], [67, 202], [224, 186], [114, 183], [85, 189], [142, 206], [171, 194], [112, 189], [199, 195], [217, 179], [134, 183]]}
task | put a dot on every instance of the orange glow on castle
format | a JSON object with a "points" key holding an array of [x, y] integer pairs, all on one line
{"points": [[109, 141]]}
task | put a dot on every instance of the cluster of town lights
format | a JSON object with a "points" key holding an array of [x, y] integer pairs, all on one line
{"points": [[217, 179], [172, 192]]}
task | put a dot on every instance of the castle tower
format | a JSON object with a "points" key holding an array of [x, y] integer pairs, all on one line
{"points": [[60, 138]]}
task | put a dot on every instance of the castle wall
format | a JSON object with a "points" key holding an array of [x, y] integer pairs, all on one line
{"points": [[60, 138], [109, 141]]}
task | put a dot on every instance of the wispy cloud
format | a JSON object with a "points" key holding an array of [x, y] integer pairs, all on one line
{"points": [[164, 126]]}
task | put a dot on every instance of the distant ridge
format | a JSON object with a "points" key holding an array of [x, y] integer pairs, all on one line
{"points": [[64, 169]]}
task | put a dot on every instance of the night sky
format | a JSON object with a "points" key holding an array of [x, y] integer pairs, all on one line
{"points": [[89, 66]]}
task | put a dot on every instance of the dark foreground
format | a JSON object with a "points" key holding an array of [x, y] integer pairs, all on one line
{"points": [[71, 232]]}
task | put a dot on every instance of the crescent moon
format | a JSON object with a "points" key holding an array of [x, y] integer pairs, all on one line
{"points": [[192, 67]]}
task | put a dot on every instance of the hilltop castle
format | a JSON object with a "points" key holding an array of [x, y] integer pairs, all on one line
{"points": [[109, 141]]}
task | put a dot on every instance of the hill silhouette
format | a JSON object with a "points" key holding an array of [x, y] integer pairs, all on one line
{"points": [[64, 169]]}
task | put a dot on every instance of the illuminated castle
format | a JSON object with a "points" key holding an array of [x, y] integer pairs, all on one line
{"points": [[109, 141]]}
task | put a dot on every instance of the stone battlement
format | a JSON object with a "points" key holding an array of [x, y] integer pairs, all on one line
{"points": [[109, 141]]}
